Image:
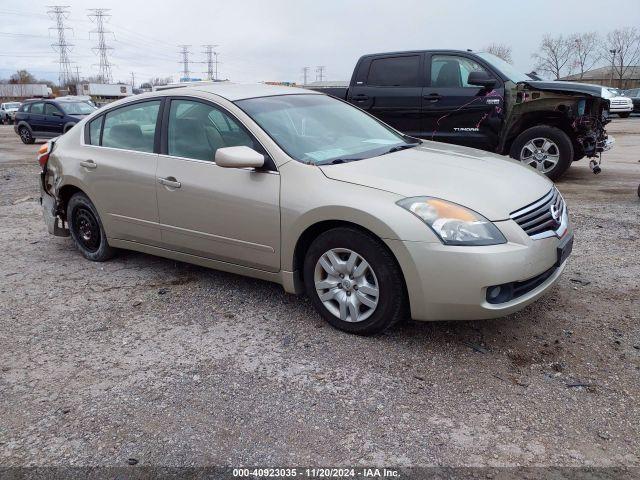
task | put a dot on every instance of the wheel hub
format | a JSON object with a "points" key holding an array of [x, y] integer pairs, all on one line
{"points": [[346, 284]]}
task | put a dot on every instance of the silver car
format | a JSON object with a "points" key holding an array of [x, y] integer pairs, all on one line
{"points": [[305, 190]]}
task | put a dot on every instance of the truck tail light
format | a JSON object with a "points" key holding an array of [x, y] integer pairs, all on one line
{"points": [[44, 152]]}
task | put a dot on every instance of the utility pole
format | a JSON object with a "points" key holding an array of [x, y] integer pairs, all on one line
{"points": [[133, 80], [77, 74], [212, 61], [184, 51], [98, 16], [305, 74], [613, 61], [320, 72], [60, 13]]}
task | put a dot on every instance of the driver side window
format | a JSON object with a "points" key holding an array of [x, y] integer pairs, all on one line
{"points": [[197, 130], [50, 110], [450, 71]]}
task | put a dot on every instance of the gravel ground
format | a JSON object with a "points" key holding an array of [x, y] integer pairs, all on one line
{"points": [[177, 365]]}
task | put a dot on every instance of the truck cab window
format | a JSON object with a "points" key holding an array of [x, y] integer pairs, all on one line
{"points": [[394, 72], [450, 71]]}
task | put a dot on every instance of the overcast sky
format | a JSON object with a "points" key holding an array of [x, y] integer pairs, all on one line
{"points": [[273, 39]]}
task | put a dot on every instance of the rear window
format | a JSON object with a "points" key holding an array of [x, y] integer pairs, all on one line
{"points": [[395, 72], [37, 107]]}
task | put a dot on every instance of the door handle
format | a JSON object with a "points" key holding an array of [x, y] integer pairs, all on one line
{"points": [[169, 182], [89, 164], [432, 97], [361, 98]]}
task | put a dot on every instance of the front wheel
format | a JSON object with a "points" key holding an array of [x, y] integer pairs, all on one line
{"points": [[547, 149], [86, 229], [624, 114], [354, 282]]}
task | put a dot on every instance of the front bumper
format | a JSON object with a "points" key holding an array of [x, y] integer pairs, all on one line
{"points": [[621, 108], [450, 282]]}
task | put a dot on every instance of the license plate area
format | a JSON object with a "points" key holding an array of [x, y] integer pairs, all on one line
{"points": [[564, 250]]}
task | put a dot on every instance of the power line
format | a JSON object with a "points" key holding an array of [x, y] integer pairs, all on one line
{"points": [[184, 51], [60, 13], [98, 16]]}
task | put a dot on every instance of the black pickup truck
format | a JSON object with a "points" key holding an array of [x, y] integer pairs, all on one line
{"points": [[479, 100]]}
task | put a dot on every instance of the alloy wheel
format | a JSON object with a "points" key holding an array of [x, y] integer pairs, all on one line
{"points": [[540, 153], [346, 284], [25, 135]]}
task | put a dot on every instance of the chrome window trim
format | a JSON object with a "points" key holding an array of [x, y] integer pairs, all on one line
{"points": [[211, 162]]}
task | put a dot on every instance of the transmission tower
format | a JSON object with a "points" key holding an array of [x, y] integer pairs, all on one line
{"points": [[212, 61], [305, 74], [59, 13], [320, 72], [184, 51], [98, 16]]}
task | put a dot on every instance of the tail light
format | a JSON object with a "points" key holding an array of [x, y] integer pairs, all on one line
{"points": [[44, 152]]}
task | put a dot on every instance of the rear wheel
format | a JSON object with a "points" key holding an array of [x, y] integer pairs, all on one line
{"points": [[86, 229], [354, 282], [547, 149], [624, 114], [26, 136]]}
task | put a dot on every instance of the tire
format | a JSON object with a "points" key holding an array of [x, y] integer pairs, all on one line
{"points": [[26, 136], [86, 229], [561, 150], [624, 114], [374, 267]]}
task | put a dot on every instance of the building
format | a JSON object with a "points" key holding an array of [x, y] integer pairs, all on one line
{"points": [[602, 76]]}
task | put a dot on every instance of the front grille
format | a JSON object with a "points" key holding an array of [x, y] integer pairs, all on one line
{"points": [[619, 102], [537, 218]]}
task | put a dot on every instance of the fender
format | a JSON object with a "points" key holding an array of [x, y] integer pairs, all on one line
{"points": [[68, 126], [25, 124]]}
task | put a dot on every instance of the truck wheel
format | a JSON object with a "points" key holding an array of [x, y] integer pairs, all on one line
{"points": [[624, 114], [547, 149], [26, 136]]}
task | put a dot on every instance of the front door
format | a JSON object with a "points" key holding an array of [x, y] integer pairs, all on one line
{"points": [[392, 91], [455, 111], [226, 214], [52, 122]]}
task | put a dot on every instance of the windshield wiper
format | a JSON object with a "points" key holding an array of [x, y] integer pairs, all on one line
{"points": [[397, 148]]}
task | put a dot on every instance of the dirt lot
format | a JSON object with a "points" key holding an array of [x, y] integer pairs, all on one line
{"points": [[177, 365]]}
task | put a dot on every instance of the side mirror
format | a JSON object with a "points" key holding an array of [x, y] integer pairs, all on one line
{"points": [[481, 79], [238, 157]]}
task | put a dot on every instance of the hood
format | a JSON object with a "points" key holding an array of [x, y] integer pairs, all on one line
{"points": [[566, 87], [492, 185]]}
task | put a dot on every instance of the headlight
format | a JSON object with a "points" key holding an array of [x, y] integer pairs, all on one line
{"points": [[453, 223]]}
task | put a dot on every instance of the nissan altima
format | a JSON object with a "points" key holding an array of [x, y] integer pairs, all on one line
{"points": [[305, 190]]}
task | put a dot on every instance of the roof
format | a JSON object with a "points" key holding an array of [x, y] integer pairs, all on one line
{"points": [[238, 91], [604, 73]]}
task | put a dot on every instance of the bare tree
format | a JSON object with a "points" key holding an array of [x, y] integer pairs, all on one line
{"points": [[554, 56], [157, 81], [622, 51], [22, 76], [500, 50], [586, 51]]}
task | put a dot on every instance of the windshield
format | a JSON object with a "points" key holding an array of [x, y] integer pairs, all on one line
{"points": [[11, 105], [77, 108], [511, 72], [318, 129]]}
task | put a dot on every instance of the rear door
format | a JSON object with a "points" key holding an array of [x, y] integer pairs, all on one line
{"points": [[119, 165], [390, 88], [227, 214], [455, 111]]}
